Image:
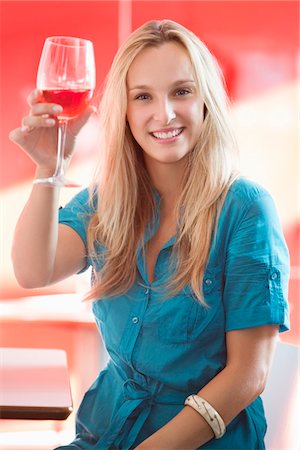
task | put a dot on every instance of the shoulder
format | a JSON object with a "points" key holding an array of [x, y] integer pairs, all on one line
{"points": [[83, 201], [244, 191], [244, 196], [247, 205], [78, 212], [79, 209]]}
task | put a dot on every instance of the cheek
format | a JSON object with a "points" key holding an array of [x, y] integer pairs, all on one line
{"points": [[197, 114], [197, 118], [135, 120], [129, 117], [135, 124]]}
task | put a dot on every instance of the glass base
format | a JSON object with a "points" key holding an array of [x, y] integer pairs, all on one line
{"points": [[56, 181]]}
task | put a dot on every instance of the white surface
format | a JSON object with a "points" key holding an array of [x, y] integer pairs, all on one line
{"points": [[34, 378], [35, 440], [61, 308], [282, 399]]}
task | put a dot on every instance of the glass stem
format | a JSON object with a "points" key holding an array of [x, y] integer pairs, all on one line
{"points": [[61, 139]]}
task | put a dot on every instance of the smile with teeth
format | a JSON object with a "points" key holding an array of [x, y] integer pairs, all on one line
{"points": [[167, 135]]}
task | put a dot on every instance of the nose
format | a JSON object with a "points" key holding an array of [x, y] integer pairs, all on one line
{"points": [[164, 111]]}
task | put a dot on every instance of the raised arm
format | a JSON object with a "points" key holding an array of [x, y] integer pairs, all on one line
{"points": [[43, 251]]}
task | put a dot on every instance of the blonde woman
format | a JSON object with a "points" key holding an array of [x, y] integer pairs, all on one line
{"points": [[189, 262]]}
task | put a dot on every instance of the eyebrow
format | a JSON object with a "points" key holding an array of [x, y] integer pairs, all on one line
{"points": [[176, 83]]}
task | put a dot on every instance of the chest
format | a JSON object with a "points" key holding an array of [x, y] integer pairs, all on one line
{"points": [[166, 230]]}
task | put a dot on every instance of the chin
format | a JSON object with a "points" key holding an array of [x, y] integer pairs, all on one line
{"points": [[166, 156], [170, 159]]}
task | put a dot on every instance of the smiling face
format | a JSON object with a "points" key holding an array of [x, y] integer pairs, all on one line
{"points": [[165, 107]]}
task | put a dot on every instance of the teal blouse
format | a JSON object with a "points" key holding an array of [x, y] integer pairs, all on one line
{"points": [[162, 349]]}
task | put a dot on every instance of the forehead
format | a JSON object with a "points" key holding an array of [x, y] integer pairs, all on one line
{"points": [[169, 61]]}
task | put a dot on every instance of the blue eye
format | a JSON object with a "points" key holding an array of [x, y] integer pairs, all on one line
{"points": [[142, 97], [182, 92]]}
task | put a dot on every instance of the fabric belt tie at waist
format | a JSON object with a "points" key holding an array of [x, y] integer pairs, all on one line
{"points": [[158, 394], [136, 395]]}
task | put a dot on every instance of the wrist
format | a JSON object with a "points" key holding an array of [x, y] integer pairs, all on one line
{"points": [[44, 172], [209, 414]]}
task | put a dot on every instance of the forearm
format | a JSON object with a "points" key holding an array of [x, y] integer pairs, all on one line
{"points": [[249, 356], [35, 237], [229, 393]]}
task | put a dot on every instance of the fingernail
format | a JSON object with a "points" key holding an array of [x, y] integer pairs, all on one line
{"points": [[50, 121], [57, 108]]}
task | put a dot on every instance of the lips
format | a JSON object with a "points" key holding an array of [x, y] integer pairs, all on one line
{"points": [[167, 134]]}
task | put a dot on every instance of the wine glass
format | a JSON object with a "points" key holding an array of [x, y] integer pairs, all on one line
{"points": [[66, 76]]}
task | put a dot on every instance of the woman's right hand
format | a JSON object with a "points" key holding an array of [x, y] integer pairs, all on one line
{"points": [[38, 134]]}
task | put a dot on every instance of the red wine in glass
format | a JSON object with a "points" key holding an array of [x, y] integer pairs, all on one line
{"points": [[66, 76], [74, 102]]}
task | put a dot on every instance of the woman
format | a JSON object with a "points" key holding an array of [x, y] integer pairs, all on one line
{"points": [[189, 262]]}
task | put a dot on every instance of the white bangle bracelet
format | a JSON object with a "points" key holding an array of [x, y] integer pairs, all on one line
{"points": [[208, 413]]}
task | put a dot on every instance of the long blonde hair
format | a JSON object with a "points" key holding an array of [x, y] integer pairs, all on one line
{"points": [[126, 202]]}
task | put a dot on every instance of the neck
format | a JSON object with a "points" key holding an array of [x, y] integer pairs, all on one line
{"points": [[167, 180]]}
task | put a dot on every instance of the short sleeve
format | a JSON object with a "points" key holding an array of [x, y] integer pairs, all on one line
{"points": [[76, 214], [257, 268]]}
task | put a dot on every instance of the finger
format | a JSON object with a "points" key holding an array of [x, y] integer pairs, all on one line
{"points": [[83, 118], [29, 123], [34, 97], [46, 108], [18, 135], [26, 129]]}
